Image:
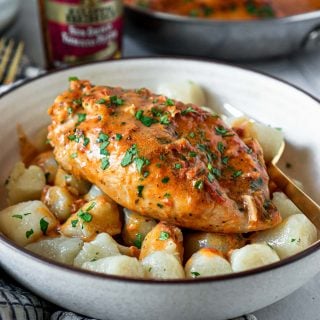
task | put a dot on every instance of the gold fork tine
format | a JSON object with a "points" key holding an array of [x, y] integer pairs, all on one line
{"points": [[2, 42], [13, 68], [5, 58]]}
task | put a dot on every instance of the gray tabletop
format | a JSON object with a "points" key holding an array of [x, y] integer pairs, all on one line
{"points": [[302, 70]]}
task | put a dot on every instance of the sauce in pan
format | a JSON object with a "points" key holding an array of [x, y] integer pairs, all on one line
{"points": [[230, 9]]}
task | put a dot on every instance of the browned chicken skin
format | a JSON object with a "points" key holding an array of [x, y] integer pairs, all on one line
{"points": [[162, 158]]}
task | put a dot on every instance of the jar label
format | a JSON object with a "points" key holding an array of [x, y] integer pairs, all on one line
{"points": [[83, 30]]}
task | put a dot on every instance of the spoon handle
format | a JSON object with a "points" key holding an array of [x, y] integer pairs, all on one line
{"points": [[309, 207]]}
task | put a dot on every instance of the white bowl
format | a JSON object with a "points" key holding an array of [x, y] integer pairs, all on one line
{"points": [[110, 297]]}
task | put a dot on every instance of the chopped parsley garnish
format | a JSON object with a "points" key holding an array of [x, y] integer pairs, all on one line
{"points": [[156, 112], [210, 177], [26, 214], [103, 146], [164, 235], [85, 216], [18, 216], [69, 110], [169, 102], [103, 137], [256, 184], [221, 131], [192, 154], [177, 165], [165, 180], [140, 189], [86, 141], [74, 223], [73, 155], [115, 100], [225, 160], [188, 110], [129, 155], [220, 147], [147, 121], [77, 101], [167, 195], [73, 78], [44, 225], [164, 119], [138, 241], [81, 117], [160, 205], [195, 274], [146, 173], [101, 101], [140, 163], [216, 172], [236, 174], [105, 163], [192, 135], [198, 184], [29, 233], [72, 137], [118, 136]]}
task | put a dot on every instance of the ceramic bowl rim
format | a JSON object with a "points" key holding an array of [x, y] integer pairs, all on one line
{"points": [[232, 276]]}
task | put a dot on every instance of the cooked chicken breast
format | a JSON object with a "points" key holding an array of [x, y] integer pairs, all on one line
{"points": [[162, 158]]}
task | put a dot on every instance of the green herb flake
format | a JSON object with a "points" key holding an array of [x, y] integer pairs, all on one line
{"points": [[195, 274], [118, 136], [72, 137], [140, 163], [17, 216], [81, 117], [103, 137], [26, 214], [101, 101], [192, 135], [198, 185], [86, 141], [140, 189], [210, 177], [69, 110], [164, 235], [177, 165], [169, 102], [165, 180], [85, 216], [188, 110], [221, 131], [44, 225], [256, 184], [74, 223], [73, 79], [138, 240], [236, 174], [192, 154], [29, 233], [160, 205], [167, 195], [73, 155], [105, 163], [164, 119], [220, 147], [115, 100], [225, 160], [129, 155], [147, 121]]}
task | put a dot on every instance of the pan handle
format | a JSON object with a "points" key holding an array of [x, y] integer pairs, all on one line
{"points": [[312, 40]]}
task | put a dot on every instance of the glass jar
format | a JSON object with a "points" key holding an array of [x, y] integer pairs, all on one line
{"points": [[78, 31]]}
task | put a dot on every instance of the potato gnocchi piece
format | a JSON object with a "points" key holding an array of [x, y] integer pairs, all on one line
{"points": [[101, 247], [117, 265], [194, 241], [135, 228], [59, 201], [25, 184], [205, 263], [96, 216], [284, 205], [163, 237], [252, 256], [186, 91], [59, 249], [269, 138], [48, 164], [27, 221], [69, 181], [162, 265], [294, 234], [93, 193]]}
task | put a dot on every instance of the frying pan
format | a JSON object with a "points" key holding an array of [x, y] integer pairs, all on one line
{"points": [[228, 40]]}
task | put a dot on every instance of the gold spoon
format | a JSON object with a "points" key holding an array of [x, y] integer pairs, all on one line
{"points": [[309, 207]]}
